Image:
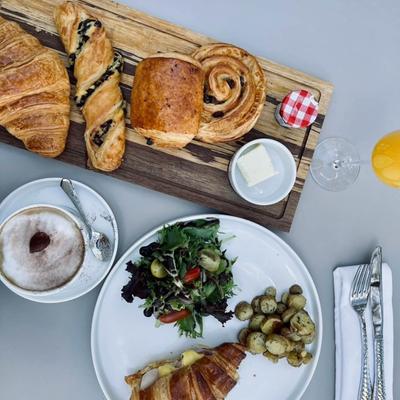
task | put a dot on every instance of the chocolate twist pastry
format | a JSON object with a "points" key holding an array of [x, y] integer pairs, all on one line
{"points": [[34, 91], [97, 69], [234, 92], [211, 377]]}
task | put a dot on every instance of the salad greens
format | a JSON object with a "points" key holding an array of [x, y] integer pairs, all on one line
{"points": [[183, 277]]}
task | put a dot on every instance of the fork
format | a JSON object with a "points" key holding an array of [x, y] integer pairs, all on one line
{"points": [[360, 289]]}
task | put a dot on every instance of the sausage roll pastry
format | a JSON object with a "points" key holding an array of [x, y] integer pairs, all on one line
{"points": [[234, 92], [166, 101], [34, 91], [97, 69], [204, 375]]}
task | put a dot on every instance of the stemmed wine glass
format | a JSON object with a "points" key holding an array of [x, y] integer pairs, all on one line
{"points": [[336, 162]]}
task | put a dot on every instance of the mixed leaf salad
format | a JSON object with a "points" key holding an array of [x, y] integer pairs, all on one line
{"points": [[183, 277]]}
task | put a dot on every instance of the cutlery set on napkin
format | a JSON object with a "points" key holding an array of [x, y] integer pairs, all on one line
{"points": [[364, 331]]}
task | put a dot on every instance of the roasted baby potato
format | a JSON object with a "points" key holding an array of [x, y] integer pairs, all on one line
{"points": [[295, 289], [302, 324], [256, 321], [271, 357], [299, 346], [271, 324], [256, 342], [288, 315], [285, 297], [289, 334], [294, 359], [280, 308], [243, 311], [242, 337], [255, 303], [268, 304], [308, 339], [270, 291], [277, 344], [306, 357], [297, 301]]}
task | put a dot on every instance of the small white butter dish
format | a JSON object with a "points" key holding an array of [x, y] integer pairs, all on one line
{"points": [[262, 172]]}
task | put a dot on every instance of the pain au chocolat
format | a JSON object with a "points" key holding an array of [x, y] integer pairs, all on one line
{"points": [[34, 91], [167, 99], [234, 92], [208, 374]]}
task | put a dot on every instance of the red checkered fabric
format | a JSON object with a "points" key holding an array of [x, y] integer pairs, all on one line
{"points": [[299, 109]]}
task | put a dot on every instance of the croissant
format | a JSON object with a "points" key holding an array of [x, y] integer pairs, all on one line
{"points": [[234, 92], [34, 91], [97, 69], [211, 376]]}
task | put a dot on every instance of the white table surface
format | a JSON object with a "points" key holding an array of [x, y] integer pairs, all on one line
{"points": [[45, 349]]}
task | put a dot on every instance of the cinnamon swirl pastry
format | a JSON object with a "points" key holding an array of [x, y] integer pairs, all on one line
{"points": [[97, 69], [234, 92], [166, 102]]}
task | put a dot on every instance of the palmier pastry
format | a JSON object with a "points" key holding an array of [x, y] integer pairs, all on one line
{"points": [[167, 99], [234, 92], [34, 91], [205, 375], [97, 69]]}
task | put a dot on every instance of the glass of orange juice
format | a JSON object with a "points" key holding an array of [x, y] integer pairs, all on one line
{"points": [[385, 159]]}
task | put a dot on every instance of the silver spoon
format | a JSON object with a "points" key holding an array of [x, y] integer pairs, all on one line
{"points": [[98, 242]]}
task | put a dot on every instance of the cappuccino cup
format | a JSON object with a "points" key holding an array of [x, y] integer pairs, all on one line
{"points": [[42, 249]]}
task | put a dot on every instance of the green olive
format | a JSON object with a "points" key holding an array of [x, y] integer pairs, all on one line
{"points": [[209, 260], [157, 269]]}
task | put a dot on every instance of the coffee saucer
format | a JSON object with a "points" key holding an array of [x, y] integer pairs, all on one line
{"points": [[48, 191]]}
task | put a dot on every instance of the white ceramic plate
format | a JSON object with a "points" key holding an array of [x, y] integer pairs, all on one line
{"points": [[48, 191], [273, 189], [123, 340]]}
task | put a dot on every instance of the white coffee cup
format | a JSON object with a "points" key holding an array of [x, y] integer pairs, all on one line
{"points": [[68, 215]]}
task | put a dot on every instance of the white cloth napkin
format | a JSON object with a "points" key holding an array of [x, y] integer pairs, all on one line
{"points": [[347, 335]]}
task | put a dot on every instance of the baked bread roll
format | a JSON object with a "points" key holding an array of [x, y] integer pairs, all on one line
{"points": [[211, 377], [234, 92], [34, 91], [97, 69], [167, 99]]}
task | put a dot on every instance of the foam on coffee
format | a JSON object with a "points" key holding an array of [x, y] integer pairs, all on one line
{"points": [[40, 249]]}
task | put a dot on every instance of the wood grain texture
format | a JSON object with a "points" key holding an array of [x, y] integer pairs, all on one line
{"points": [[199, 171]]}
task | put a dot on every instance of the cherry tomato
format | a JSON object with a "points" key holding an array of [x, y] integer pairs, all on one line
{"points": [[192, 275], [174, 316]]}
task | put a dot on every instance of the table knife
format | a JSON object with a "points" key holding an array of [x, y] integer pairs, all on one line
{"points": [[377, 321]]}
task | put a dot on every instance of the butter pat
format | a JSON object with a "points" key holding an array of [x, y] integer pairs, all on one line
{"points": [[256, 165]]}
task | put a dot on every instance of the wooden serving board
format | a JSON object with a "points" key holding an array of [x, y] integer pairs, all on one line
{"points": [[198, 172]]}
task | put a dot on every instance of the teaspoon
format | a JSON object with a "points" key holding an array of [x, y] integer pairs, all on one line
{"points": [[98, 241]]}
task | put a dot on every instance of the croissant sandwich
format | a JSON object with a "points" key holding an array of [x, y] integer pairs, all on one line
{"points": [[204, 375], [34, 91], [97, 69]]}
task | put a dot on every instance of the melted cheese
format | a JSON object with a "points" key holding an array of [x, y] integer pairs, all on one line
{"points": [[166, 369], [189, 357]]}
